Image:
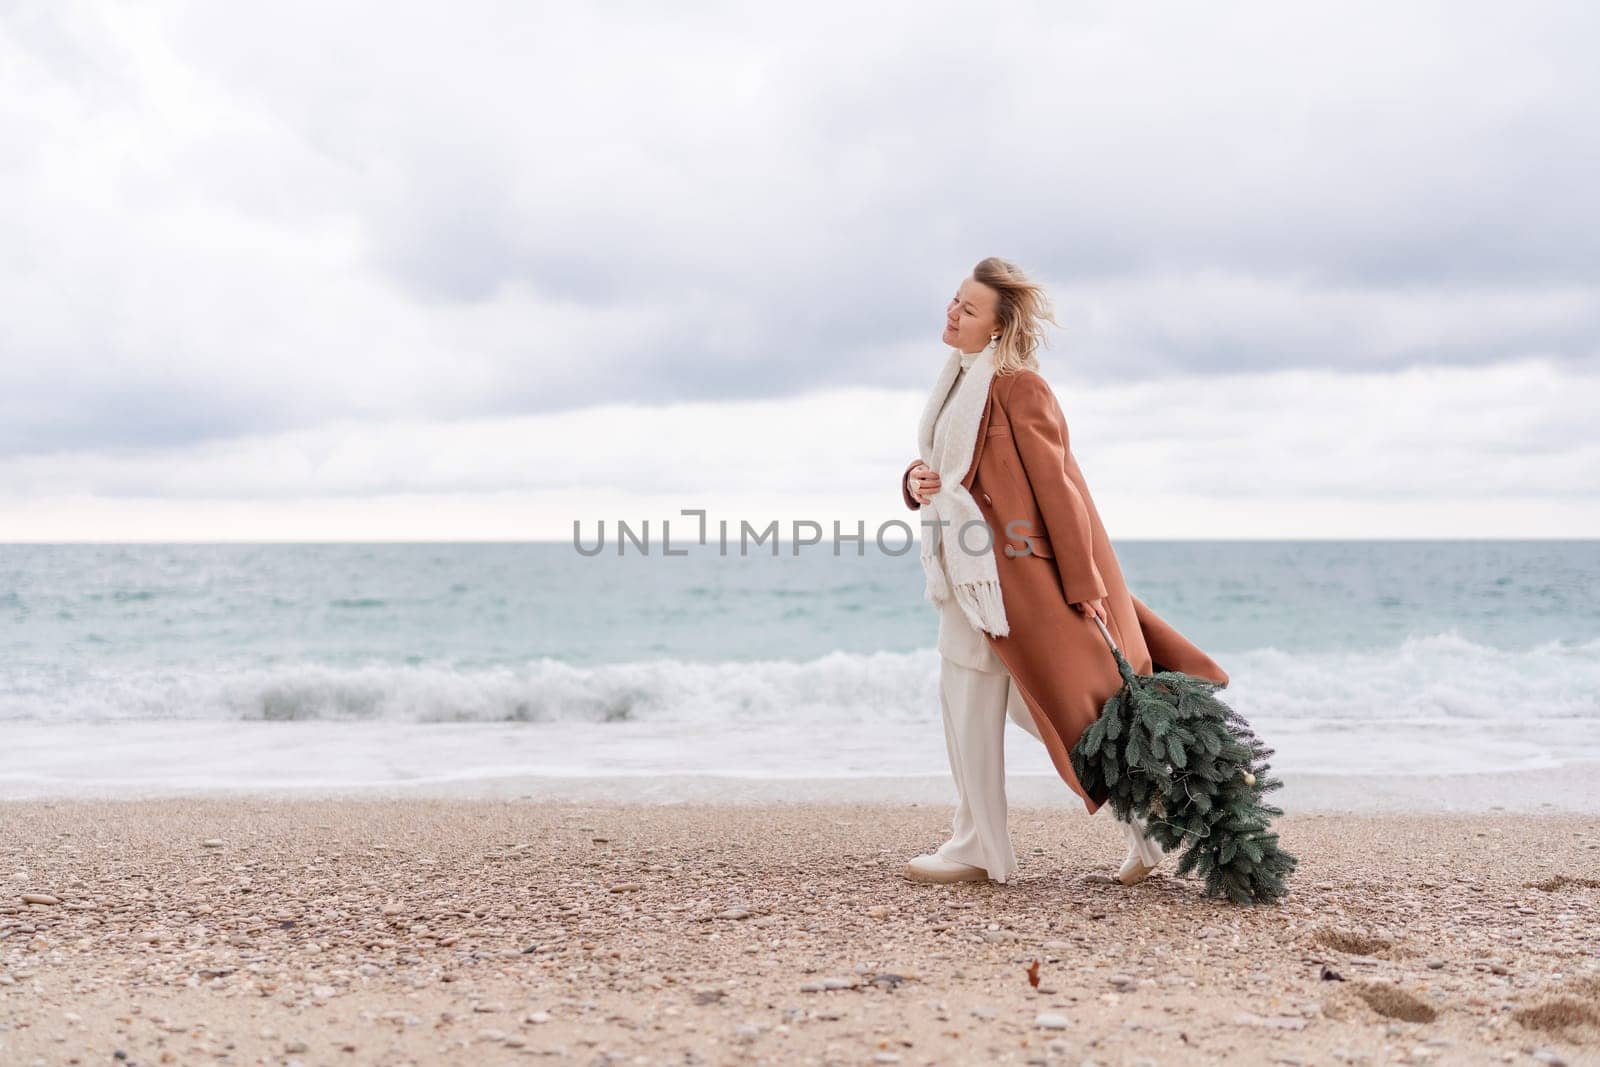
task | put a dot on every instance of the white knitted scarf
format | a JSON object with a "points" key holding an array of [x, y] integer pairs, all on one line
{"points": [[973, 573]]}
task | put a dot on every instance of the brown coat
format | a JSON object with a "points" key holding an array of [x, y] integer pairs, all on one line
{"points": [[1023, 474]]}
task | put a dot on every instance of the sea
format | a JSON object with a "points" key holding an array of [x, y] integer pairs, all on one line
{"points": [[794, 669]]}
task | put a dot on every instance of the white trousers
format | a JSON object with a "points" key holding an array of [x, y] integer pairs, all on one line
{"points": [[975, 706]]}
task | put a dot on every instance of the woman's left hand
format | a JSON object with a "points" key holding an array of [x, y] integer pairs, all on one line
{"points": [[1092, 608]]}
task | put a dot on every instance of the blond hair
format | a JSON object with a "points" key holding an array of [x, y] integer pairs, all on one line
{"points": [[1021, 312]]}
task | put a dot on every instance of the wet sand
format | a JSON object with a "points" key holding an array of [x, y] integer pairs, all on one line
{"points": [[511, 930]]}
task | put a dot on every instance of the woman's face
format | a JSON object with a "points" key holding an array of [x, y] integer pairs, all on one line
{"points": [[969, 318]]}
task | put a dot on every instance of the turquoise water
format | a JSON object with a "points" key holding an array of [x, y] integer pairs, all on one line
{"points": [[1459, 655]]}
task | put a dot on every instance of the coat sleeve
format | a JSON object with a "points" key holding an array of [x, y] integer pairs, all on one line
{"points": [[1040, 432], [905, 490]]}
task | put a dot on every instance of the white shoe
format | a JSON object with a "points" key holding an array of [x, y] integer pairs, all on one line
{"points": [[1144, 856], [1134, 870], [934, 868]]}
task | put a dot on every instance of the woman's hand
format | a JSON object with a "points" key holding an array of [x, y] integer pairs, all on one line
{"points": [[1092, 608], [922, 482]]}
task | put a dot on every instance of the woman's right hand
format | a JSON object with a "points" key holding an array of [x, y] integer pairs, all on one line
{"points": [[1091, 609], [924, 477]]}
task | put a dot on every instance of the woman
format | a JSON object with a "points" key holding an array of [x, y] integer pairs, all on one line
{"points": [[1019, 565]]}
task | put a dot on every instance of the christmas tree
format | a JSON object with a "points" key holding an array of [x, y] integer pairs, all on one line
{"points": [[1165, 747]]}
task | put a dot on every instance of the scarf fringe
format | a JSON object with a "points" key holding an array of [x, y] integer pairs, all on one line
{"points": [[981, 602]]}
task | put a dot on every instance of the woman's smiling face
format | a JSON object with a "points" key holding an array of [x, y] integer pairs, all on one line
{"points": [[969, 319]]}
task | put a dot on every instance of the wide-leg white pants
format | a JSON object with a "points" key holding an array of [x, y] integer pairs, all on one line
{"points": [[975, 705]]}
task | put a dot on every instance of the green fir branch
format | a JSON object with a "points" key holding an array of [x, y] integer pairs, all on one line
{"points": [[1166, 748]]}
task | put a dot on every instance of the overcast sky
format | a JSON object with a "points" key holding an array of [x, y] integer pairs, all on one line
{"points": [[404, 271]]}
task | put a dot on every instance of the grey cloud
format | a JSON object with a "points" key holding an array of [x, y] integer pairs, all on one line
{"points": [[490, 211]]}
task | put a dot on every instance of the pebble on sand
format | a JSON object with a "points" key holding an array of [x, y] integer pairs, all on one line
{"points": [[298, 957]]}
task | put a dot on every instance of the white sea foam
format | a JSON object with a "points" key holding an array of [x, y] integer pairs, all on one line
{"points": [[839, 687], [1436, 704]]}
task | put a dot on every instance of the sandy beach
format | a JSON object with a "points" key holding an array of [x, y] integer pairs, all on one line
{"points": [[446, 930]]}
